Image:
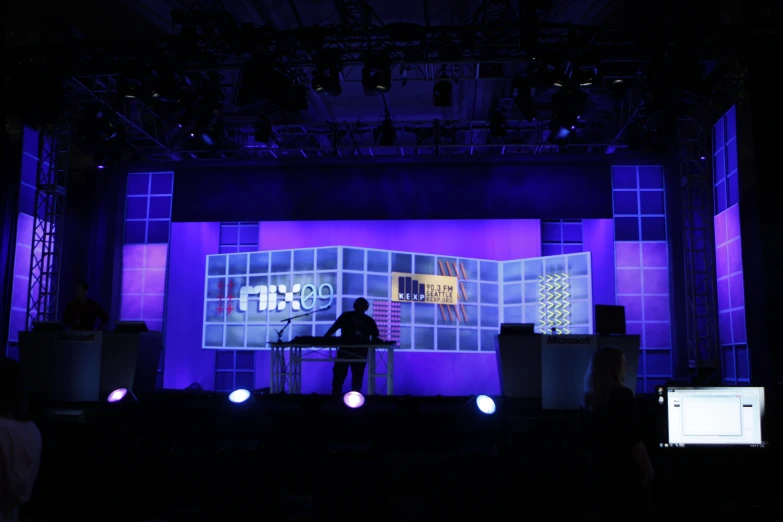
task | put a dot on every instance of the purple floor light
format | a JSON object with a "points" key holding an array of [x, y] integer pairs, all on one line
{"points": [[117, 395], [353, 399], [485, 404], [239, 396]]}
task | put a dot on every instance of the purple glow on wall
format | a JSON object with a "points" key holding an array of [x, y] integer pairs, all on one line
{"points": [[417, 373], [144, 284], [480, 239], [598, 239], [731, 295], [18, 317]]}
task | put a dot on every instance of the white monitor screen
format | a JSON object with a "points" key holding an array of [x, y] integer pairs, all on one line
{"points": [[728, 416]]}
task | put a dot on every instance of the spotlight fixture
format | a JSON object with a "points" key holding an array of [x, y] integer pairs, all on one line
{"points": [[376, 77], [353, 399], [485, 404], [441, 93], [387, 135], [239, 396], [327, 81], [121, 394]]}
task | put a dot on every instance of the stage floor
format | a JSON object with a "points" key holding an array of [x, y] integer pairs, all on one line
{"points": [[183, 457]]}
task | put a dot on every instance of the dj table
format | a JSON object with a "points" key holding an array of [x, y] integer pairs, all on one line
{"points": [[380, 357]]}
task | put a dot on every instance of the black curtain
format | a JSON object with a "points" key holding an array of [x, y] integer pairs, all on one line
{"points": [[9, 215]]}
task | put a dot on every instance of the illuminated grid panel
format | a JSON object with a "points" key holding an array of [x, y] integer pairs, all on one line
{"points": [[387, 317], [144, 284], [561, 236], [471, 326], [642, 267], [534, 292], [148, 207], [227, 327], [728, 252], [725, 164], [236, 368], [24, 237], [147, 226]]}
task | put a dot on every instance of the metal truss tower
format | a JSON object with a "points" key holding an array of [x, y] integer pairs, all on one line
{"points": [[699, 246], [48, 223]]}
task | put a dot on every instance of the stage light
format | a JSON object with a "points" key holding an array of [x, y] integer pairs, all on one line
{"points": [[239, 396], [327, 81], [485, 404], [387, 136], [376, 77], [353, 399], [120, 394]]}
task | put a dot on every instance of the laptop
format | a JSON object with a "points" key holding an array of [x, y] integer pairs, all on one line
{"points": [[706, 416]]}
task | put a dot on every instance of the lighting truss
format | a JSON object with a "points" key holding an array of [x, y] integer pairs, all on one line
{"points": [[48, 223], [701, 316], [554, 304]]}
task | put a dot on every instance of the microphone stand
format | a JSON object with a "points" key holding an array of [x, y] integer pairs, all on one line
{"points": [[288, 321]]}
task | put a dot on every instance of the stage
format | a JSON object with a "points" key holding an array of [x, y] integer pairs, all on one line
{"points": [[194, 456]]}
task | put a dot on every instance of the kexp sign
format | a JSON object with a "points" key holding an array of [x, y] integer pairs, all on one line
{"points": [[277, 297], [418, 288]]}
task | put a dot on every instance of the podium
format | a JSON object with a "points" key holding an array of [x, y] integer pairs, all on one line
{"points": [[552, 367], [87, 366]]}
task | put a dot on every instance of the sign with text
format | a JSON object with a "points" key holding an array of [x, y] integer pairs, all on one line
{"points": [[419, 288]]}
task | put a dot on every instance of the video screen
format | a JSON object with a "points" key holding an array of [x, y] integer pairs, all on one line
{"points": [[715, 416], [421, 300]]}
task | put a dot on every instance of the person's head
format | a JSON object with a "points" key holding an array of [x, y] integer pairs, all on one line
{"points": [[606, 370], [361, 305], [12, 396], [81, 291]]}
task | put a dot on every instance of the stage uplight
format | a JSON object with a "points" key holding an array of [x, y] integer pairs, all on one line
{"points": [[353, 399], [485, 404], [120, 394], [239, 396]]}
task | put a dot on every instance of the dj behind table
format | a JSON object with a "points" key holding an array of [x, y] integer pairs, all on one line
{"points": [[326, 349]]}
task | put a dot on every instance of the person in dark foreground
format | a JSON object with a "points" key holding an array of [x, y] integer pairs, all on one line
{"points": [[20, 443], [82, 313], [355, 327], [620, 470]]}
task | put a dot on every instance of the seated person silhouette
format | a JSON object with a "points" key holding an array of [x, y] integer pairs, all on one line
{"points": [[355, 327], [82, 313], [619, 466], [20, 443]]}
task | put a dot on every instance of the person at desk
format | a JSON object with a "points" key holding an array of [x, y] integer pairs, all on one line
{"points": [[20, 443], [355, 327], [82, 313], [620, 470]]}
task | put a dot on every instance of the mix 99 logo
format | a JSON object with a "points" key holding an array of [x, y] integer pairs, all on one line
{"points": [[277, 297]]}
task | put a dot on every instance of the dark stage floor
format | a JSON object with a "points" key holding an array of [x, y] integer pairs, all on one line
{"points": [[195, 457]]}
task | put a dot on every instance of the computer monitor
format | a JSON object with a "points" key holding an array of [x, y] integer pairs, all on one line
{"points": [[727, 416], [47, 326], [517, 329], [130, 327], [609, 320]]}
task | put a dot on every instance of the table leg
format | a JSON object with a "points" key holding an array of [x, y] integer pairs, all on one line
{"points": [[390, 371], [371, 371], [273, 370], [296, 371]]}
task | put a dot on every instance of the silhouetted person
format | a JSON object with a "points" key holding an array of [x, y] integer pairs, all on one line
{"points": [[619, 466], [355, 327], [20, 443], [82, 313]]}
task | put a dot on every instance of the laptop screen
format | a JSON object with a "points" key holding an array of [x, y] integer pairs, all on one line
{"points": [[729, 416]]}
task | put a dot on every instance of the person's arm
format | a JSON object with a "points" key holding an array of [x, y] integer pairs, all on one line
{"points": [[336, 326], [633, 437]]}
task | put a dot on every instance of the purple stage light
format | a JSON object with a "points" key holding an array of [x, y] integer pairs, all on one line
{"points": [[101, 167], [117, 395], [353, 399], [239, 396]]}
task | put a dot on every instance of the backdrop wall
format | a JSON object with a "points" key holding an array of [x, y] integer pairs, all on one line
{"points": [[394, 191]]}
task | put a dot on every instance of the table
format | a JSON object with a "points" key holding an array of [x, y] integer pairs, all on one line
{"points": [[291, 373]]}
